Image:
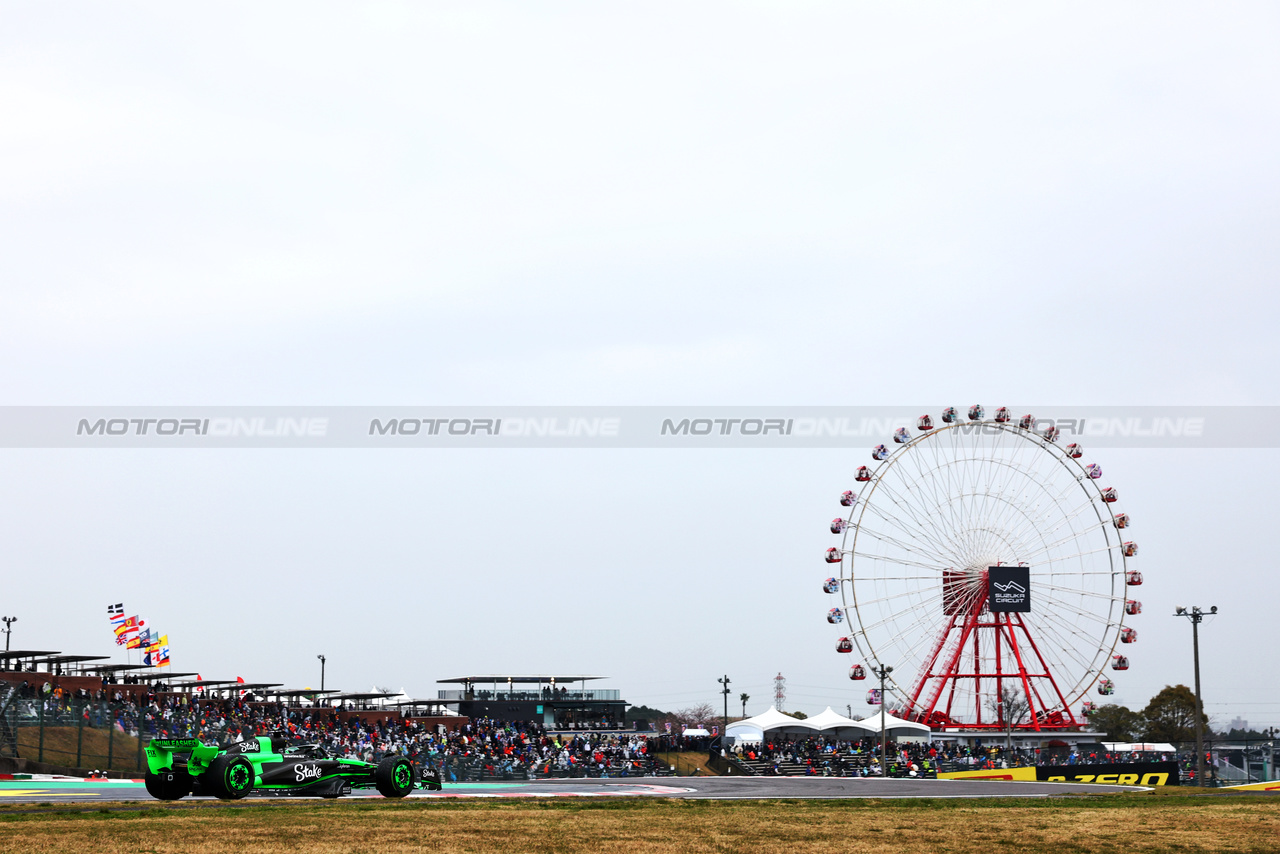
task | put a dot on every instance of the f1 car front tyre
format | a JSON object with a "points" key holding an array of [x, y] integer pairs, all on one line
{"points": [[229, 777], [168, 785], [394, 777]]}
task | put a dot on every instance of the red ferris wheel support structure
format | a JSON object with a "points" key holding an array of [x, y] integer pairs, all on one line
{"points": [[977, 645]]}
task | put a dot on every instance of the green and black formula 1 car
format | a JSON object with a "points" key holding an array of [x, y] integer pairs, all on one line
{"points": [[177, 767]]}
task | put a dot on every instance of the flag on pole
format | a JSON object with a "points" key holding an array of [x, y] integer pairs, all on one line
{"points": [[164, 651], [138, 638], [126, 631], [115, 613], [132, 625]]}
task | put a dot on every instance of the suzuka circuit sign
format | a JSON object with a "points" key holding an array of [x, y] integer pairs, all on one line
{"points": [[1009, 589]]}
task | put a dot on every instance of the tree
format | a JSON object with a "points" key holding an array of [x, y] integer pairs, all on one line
{"points": [[1118, 723], [645, 713], [1171, 715], [744, 698], [798, 715], [1010, 708], [698, 715], [1237, 734]]}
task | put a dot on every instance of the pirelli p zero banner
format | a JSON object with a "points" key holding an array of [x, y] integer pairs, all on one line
{"points": [[1120, 774], [1126, 774]]}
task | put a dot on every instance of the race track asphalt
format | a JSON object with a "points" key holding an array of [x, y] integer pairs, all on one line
{"points": [[713, 788]]}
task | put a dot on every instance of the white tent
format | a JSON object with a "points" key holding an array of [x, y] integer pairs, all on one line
{"points": [[834, 724], [896, 728], [743, 731], [771, 720], [1139, 747]]}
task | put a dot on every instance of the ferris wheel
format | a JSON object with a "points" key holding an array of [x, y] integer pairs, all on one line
{"points": [[985, 562]]}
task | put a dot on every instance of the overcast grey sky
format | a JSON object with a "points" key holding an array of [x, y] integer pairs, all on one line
{"points": [[584, 203]]}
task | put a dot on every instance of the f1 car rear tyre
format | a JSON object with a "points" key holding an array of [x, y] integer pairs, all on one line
{"points": [[229, 777], [394, 777], [168, 785]]}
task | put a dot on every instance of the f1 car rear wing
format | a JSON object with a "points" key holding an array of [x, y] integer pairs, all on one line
{"points": [[160, 752]]}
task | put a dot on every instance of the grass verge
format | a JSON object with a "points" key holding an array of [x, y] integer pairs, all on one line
{"points": [[1095, 824]]}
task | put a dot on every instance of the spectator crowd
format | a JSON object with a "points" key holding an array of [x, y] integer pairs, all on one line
{"points": [[478, 749], [817, 755], [483, 748]]}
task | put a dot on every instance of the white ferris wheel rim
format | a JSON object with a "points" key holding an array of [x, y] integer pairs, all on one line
{"points": [[1078, 565]]}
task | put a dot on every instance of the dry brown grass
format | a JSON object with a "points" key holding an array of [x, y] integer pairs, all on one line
{"points": [[1132, 823], [687, 763]]}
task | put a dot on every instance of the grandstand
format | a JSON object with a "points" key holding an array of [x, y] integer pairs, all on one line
{"points": [[553, 701], [76, 713]]}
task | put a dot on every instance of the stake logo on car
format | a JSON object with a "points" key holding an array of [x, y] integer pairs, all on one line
{"points": [[306, 772]]}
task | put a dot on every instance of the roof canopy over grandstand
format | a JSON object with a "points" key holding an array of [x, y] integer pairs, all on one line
{"points": [[28, 653], [304, 692], [69, 659], [536, 680]]}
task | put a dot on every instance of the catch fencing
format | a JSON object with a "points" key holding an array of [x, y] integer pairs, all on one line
{"points": [[72, 732]]}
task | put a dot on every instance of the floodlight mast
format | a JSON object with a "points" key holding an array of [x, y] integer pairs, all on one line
{"points": [[724, 690], [1195, 615], [882, 671], [8, 630]]}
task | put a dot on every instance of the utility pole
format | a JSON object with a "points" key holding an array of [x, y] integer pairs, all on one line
{"points": [[1195, 615], [1270, 768], [322, 661], [882, 671], [8, 630], [725, 690]]}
